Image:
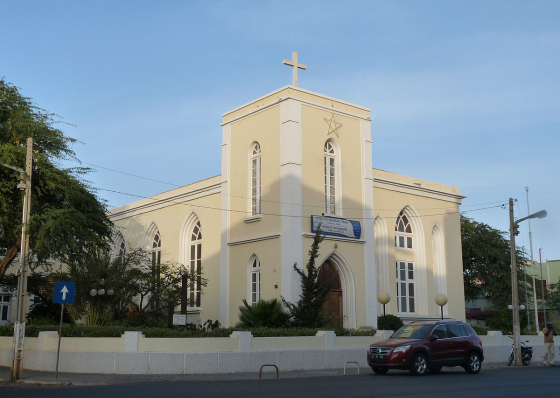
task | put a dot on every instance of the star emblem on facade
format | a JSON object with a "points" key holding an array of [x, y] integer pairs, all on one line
{"points": [[333, 125]]}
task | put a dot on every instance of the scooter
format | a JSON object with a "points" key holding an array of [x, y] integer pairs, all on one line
{"points": [[526, 353]]}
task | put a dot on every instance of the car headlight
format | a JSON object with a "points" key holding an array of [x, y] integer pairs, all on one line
{"points": [[403, 348]]}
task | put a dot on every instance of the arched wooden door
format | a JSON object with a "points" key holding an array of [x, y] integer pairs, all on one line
{"points": [[333, 306]]}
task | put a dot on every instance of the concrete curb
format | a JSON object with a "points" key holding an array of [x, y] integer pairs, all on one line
{"points": [[38, 378]]}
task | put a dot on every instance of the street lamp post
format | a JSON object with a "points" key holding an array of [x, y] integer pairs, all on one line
{"points": [[533, 267], [513, 231], [441, 300], [383, 297], [100, 293]]}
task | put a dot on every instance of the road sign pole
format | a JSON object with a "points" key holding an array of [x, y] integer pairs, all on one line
{"points": [[59, 338]]}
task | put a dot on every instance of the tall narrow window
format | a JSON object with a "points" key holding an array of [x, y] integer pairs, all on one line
{"points": [[156, 262], [122, 249], [405, 286], [330, 178], [403, 232], [156, 251], [255, 281], [256, 179], [195, 266]]}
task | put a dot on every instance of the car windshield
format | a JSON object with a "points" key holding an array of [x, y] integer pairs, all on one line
{"points": [[412, 332]]}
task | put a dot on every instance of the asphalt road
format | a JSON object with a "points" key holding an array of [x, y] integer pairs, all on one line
{"points": [[455, 383]]}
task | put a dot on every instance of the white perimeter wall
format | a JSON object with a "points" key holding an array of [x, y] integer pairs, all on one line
{"points": [[134, 354]]}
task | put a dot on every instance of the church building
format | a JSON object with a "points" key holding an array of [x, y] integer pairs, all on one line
{"points": [[291, 160]]}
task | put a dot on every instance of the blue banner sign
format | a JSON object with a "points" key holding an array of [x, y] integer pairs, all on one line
{"points": [[337, 227]]}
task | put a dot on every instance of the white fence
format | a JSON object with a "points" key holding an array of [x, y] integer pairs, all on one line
{"points": [[132, 353]]}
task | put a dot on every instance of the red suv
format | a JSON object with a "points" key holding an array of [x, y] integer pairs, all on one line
{"points": [[423, 347]]}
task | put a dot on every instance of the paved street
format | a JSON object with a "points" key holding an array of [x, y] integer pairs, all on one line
{"points": [[498, 382]]}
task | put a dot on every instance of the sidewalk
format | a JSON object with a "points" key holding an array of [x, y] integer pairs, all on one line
{"points": [[83, 379]]}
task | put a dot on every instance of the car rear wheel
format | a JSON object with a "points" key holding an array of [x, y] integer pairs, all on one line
{"points": [[435, 369], [473, 363], [419, 365], [379, 371]]}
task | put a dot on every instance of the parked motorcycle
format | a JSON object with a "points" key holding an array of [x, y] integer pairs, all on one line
{"points": [[526, 353]]}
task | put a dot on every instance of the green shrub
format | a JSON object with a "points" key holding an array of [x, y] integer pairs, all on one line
{"points": [[6, 330], [389, 322], [480, 331], [503, 320], [117, 331], [265, 313]]}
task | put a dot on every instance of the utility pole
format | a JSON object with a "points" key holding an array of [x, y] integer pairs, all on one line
{"points": [[542, 287], [533, 267], [19, 326], [513, 232], [514, 293], [526, 296]]}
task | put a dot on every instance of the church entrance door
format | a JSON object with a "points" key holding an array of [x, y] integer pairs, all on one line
{"points": [[333, 306]]}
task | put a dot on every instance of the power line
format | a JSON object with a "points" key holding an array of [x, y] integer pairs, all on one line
{"points": [[129, 174], [272, 201], [286, 215]]}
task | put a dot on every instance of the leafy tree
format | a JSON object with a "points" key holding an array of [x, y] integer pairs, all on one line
{"points": [[40, 285], [308, 311], [265, 314], [67, 219], [552, 295], [140, 293], [131, 277], [487, 263]]}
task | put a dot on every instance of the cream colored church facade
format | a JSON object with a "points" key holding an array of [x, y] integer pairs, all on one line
{"points": [[287, 156]]}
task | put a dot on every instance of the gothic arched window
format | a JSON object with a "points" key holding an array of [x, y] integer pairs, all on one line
{"points": [[405, 269], [156, 262], [156, 250], [119, 246], [403, 232], [255, 272], [255, 159], [330, 178], [195, 265], [122, 248]]}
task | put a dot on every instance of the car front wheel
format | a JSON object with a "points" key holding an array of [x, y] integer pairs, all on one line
{"points": [[379, 371], [473, 363], [419, 365]]}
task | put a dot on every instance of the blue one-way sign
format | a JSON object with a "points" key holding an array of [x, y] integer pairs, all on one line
{"points": [[64, 292]]}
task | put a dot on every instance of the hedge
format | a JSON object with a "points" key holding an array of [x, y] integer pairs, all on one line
{"points": [[117, 331]]}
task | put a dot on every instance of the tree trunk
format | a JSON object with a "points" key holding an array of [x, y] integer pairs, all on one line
{"points": [[10, 255]]}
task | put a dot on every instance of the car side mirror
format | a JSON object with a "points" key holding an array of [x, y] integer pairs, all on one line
{"points": [[433, 338]]}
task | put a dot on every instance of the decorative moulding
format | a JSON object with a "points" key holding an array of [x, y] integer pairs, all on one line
{"points": [[255, 239], [417, 190], [297, 89], [258, 217], [155, 202]]}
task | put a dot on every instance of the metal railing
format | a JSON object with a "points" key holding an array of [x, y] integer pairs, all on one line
{"points": [[260, 372], [347, 362]]}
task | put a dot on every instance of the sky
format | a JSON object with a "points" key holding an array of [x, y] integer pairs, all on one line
{"points": [[465, 93]]}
